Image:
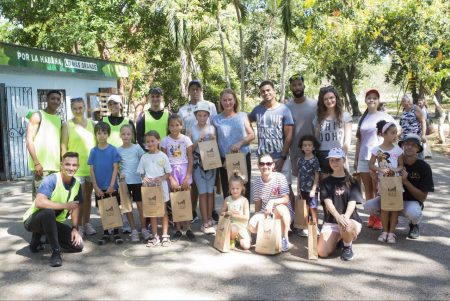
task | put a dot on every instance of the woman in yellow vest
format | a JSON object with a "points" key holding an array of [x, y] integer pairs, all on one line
{"points": [[155, 118], [78, 136], [58, 195], [116, 119]]}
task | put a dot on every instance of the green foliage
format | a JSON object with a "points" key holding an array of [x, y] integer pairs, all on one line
{"points": [[167, 43]]}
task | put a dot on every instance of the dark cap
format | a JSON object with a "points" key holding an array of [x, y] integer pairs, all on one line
{"points": [[296, 76], [155, 90], [195, 82], [413, 138]]}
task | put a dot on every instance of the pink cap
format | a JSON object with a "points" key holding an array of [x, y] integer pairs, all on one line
{"points": [[373, 91]]}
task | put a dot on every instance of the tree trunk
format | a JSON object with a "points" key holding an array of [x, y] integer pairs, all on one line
{"points": [[224, 54], [266, 50], [283, 70], [241, 46], [184, 75]]}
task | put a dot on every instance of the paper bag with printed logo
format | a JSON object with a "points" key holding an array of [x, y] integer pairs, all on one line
{"points": [[181, 205], [235, 162], [125, 198], [313, 252], [110, 214], [152, 201], [391, 193], [301, 213], [222, 240], [268, 237], [209, 154]]}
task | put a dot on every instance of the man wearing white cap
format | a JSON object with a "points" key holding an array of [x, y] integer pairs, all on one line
{"points": [[417, 182]]}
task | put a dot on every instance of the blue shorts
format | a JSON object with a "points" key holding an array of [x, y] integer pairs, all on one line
{"points": [[204, 180], [311, 202]]}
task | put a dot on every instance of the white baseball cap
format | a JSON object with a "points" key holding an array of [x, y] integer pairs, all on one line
{"points": [[115, 98], [336, 153], [202, 106]]}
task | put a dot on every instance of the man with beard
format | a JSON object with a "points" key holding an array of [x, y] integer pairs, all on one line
{"points": [[303, 110]]}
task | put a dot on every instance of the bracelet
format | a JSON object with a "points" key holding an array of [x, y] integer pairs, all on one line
{"points": [[36, 164], [75, 227]]}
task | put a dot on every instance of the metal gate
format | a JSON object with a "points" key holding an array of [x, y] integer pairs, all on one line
{"points": [[15, 104]]}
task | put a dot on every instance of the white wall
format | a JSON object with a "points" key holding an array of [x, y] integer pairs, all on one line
{"points": [[76, 85]]}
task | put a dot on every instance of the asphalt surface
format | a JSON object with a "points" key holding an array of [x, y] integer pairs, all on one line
{"points": [[410, 269]]}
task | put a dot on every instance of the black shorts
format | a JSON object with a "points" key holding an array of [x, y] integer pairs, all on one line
{"points": [[135, 192], [324, 162]]}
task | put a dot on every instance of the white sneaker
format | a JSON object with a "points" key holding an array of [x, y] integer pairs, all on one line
{"points": [[303, 233], [134, 235], [146, 234], [89, 230], [208, 230]]}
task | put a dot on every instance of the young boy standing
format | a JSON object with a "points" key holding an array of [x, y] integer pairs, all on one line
{"points": [[104, 166]]}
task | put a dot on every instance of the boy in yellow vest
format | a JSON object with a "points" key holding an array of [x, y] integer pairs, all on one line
{"points": [[57, 196]]}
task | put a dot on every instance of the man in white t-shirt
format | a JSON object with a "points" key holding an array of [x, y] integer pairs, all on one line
{"points": [[303, 110], [195, 97], [187, 113]]}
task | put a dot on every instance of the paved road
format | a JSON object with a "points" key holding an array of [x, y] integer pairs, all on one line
{"points": [[410, 269]]}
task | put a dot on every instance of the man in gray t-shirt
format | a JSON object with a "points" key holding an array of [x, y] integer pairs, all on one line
{"points": [[303, 110]]}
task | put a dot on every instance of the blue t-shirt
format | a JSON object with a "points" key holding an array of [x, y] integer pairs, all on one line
{"points": [[129, 163], [230, 130], [48, 185], [306, 171], [270, 123], [103, 161]]}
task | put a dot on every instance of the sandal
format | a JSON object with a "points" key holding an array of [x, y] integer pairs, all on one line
{"points": [[153, 242], [165, 242]]}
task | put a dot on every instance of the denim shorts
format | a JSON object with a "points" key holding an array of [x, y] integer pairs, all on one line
{"points": [[311, 202]]}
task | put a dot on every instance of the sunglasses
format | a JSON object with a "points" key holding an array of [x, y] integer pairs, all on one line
{"points": [[265, 163]]}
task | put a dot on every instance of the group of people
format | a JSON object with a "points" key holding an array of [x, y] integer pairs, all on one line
{"points": [[305, 138]]}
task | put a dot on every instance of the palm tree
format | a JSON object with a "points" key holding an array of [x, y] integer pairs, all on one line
{"points": [[241, 12]]}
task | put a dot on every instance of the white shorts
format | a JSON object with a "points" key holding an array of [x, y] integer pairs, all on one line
{"points": [[332, 227]]}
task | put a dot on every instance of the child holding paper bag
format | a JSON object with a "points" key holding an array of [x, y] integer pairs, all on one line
{"points": [[178, 148], [131, 154], [104, 166], [308, 175], [205, 180], [236, 206], [390, 163], [155, 169]]}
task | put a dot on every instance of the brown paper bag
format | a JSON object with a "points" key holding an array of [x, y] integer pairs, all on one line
{"points": [[125, 198], [313, 253], [110, 213], [152, 201], [301, 213], [391, 193], [236, 162], [209, 153], [222, 240], [181, 205], [268, 238]]}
